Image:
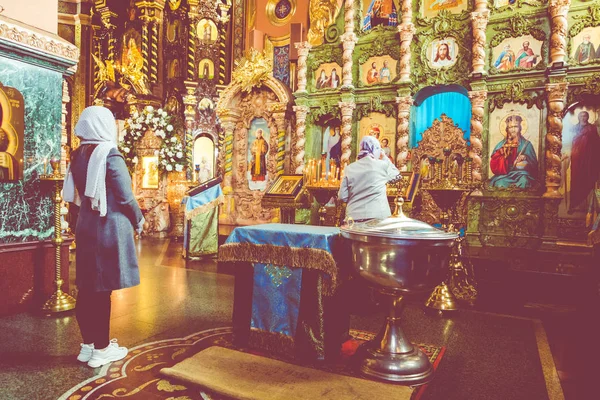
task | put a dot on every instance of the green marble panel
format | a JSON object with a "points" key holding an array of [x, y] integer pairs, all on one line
{"points": [[26, 208]]}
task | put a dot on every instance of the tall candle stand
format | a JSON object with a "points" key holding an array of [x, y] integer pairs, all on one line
{"points": [[59, 301], [447, 189], [322, 185]]}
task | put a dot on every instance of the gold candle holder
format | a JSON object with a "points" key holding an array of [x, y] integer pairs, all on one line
{"points": [[447, 188], [59, 301]]}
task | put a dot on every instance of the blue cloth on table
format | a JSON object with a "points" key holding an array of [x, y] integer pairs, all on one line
{"points": [[290, 235], [276, 289], [196, 201], [276, 298]]}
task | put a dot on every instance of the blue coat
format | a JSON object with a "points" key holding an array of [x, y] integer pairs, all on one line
{"points": [[106, 254]]}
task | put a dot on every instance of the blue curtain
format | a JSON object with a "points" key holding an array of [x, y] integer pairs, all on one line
{"points": [[455, 105]]}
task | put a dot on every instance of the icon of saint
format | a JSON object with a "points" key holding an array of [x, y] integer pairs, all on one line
{"points": [[385, 75], [442, 57], [259, 149], [513, 160], [9, 168], [585, 51], [584, 161], [506, 59]]}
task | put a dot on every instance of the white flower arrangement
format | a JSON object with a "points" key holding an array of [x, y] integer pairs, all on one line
{"points": [[171, 153]]}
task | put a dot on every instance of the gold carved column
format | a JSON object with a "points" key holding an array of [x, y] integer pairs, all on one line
{"points": [[404, 103], [81, 84], [300, 139], [558, 10], [96, 51], [108, 17], [347, 109], [63, 122], [556, 93], [478, 98], [190, 102], [145, 47], [224, 17], [303, 49], [407, 31], [349, 40], [151, 16], [191, 50], [278, 111]]}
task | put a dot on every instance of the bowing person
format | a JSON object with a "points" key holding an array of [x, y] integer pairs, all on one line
{"points": [[364, 184]]}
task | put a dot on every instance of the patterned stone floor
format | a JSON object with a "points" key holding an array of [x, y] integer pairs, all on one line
{"points": [[138, 375], [488, 355]]}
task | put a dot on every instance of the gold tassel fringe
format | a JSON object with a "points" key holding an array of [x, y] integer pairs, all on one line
{"points": [[271, 341], [281, 255]]}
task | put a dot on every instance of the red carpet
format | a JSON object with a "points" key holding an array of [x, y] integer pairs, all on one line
{"points": [[137, 376]]}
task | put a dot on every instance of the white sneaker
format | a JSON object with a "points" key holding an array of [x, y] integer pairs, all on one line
{"points": [[86, 352], [112, 353]]}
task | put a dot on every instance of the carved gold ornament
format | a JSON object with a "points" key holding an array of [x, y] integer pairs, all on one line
{"points": [[322, 13], [280, 12], [174, 4], [252, 70], [131, 76]]}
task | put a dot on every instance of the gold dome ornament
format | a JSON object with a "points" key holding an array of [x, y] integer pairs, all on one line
{"points": [[252, 70]]}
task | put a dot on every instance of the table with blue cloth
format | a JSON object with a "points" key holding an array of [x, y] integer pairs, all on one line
{"points": [[201, 222], [286, 298]]}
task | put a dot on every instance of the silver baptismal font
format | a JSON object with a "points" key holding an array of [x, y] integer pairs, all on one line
{"points": [[399, 257]]}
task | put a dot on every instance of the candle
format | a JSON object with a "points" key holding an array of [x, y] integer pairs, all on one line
{"points": [[469, 169], [45, 166], [317, 171]]}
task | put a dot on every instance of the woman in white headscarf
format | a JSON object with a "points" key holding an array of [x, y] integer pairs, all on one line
{"points": [[99, 183], [364, 184]]}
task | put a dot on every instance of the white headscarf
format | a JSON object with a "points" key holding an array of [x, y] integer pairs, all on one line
{"points": [[369, 146], [96, 125]]}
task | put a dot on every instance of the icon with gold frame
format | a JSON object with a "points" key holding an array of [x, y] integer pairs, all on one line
{"points": [[150, 171], [286, 185]]}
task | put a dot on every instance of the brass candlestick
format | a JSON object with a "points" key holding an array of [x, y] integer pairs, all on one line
{"points": [[447, 189], [320, 185], [322, 194], [458, 285], [59, 301]]}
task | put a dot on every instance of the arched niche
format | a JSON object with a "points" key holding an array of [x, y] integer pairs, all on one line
{"points": [[429, 105], [206, 69], [207, 31], [204, 157], [330, 141], [242, 113]]}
